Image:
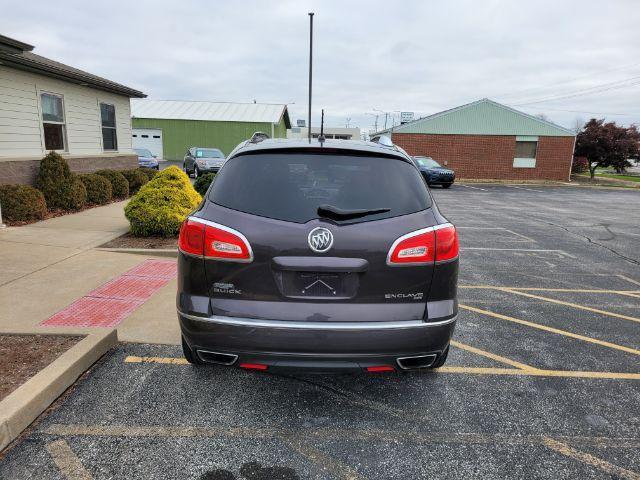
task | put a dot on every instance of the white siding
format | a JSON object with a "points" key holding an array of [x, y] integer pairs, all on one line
{"points": [[21, 125]]}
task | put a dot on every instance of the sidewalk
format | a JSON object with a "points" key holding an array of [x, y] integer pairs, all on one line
{"points": [[46, 266]]}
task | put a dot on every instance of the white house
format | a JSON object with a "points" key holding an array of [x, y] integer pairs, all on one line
{"points": [[46, 105]]}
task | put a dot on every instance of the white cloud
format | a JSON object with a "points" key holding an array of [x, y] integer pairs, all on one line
{"points": [[420, 56]]}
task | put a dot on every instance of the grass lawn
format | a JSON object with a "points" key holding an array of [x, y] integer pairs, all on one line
{"points": [[629, 178]]}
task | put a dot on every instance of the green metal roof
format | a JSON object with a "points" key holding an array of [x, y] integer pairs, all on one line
{"points": [[483, 117]]}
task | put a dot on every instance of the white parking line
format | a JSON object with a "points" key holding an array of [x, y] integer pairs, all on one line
{"points": [[523, 188], [475, 188], [562, 252]]}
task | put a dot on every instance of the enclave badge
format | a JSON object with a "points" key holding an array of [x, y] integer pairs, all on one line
{"points": [[320, 239]]}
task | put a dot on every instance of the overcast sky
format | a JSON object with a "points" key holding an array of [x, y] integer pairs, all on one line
{"points": [[420, 56]]}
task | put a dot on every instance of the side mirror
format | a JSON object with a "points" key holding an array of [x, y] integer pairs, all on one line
{"points": [[154, 156]]}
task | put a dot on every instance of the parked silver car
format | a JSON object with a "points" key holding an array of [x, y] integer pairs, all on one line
{"points": [[199, 160]]}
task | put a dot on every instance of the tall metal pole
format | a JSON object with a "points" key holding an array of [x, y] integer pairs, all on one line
{"points": [[310, 68]]}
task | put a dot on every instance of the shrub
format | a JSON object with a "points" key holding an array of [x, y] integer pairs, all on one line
{"points": [[149, 172], [119, 184], [21, 203], [136, 179], [162, 204], [99, 189], [202, 183], [61, 188], [579, 165]]}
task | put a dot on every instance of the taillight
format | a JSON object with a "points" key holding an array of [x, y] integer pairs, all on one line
{"points": [[447, 245], [414, 248], [191, 239], [215, 241], [439, 243]]}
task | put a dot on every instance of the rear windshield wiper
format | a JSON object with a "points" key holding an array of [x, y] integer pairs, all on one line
{"points": [[335, 213]]}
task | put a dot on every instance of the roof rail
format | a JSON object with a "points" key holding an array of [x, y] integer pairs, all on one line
{"points": [[258, 137]]}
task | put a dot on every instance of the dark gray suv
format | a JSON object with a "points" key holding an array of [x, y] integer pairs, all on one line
{"points": [[323, 256]]}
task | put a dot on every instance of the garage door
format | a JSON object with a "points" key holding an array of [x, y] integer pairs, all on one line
{"points": [[149, 138]]}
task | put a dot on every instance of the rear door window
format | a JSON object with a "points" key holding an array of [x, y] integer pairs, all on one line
{"points": [[291, 186]]}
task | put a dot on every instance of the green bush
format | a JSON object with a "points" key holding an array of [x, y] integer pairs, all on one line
{"points": [[61, 188], [160, 207], [22, 203], [202, 183], [149, 172], [119, 184], [136, 179], [99, 189]]}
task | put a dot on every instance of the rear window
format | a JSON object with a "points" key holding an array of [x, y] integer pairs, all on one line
{"points": [[292, 186]]}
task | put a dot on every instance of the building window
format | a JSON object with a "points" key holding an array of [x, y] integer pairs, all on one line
{"points": [[53, 123], [109, 137], [526, 148]]}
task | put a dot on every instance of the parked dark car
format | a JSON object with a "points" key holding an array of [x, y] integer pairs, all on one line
{"points": [[434, 173], [325, 256], [199, 160], [146, 158]]}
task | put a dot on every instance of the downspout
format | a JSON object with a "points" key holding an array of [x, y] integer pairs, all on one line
{"points": [[273, 130]]}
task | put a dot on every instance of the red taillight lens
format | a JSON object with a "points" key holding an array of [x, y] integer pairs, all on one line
{"points": [[415, 247], [447, 245], [439, 243], [191, 239], [226, 244], [213, 240]]}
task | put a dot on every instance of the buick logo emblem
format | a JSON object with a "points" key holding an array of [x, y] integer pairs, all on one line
{"points": [[320, 239]]}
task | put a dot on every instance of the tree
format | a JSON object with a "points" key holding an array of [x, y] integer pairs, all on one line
{"points": [[608, 145]]}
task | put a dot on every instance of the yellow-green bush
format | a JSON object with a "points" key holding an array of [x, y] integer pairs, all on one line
{"points": [[161, 205]]}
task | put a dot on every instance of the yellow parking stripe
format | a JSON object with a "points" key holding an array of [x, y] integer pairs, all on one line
{"points": [[542, 289], [175, 361], [67, 462], [540, 373], [492, 356], [573, 305], [552, 330], [610, 468], [519, 371]]}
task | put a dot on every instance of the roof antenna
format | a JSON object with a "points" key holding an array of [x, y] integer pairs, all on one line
{"points": [[310, 65], [321, 137]]}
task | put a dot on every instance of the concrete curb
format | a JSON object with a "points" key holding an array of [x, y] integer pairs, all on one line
{"points": [[27, 402], [154, 252]]}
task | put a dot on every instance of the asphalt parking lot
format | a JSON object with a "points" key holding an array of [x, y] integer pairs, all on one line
{"points": [[543, 380]]}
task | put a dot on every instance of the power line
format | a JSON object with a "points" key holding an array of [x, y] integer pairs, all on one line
{"points": [[544, 87], [627, 82], [592, 113]]}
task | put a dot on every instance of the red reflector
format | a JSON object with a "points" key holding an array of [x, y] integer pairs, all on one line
{"points": [[381, 368], [253, 366], [191, 239], [447, 245]]}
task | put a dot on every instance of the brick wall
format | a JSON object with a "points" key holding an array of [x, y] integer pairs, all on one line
{"points": [[491, 156], [25, 171]]}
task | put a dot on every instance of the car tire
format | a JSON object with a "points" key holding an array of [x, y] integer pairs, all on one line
{"points": [[196, 172], [190, 355], [446, 185], [440, 361]]}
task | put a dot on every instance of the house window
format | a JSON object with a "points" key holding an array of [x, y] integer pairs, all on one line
{"points": [[526, 149], [109, 137], [53, 123]]}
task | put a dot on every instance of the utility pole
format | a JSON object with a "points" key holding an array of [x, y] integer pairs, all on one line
{"points": [[348, 120], [2, 225], [310, 68]]}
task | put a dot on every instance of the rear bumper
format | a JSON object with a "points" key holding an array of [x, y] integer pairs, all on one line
{"points": [[319, 346]]}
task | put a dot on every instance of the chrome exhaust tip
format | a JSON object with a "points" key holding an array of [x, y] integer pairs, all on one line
{"points": [[217, 357], [419, 361]]}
